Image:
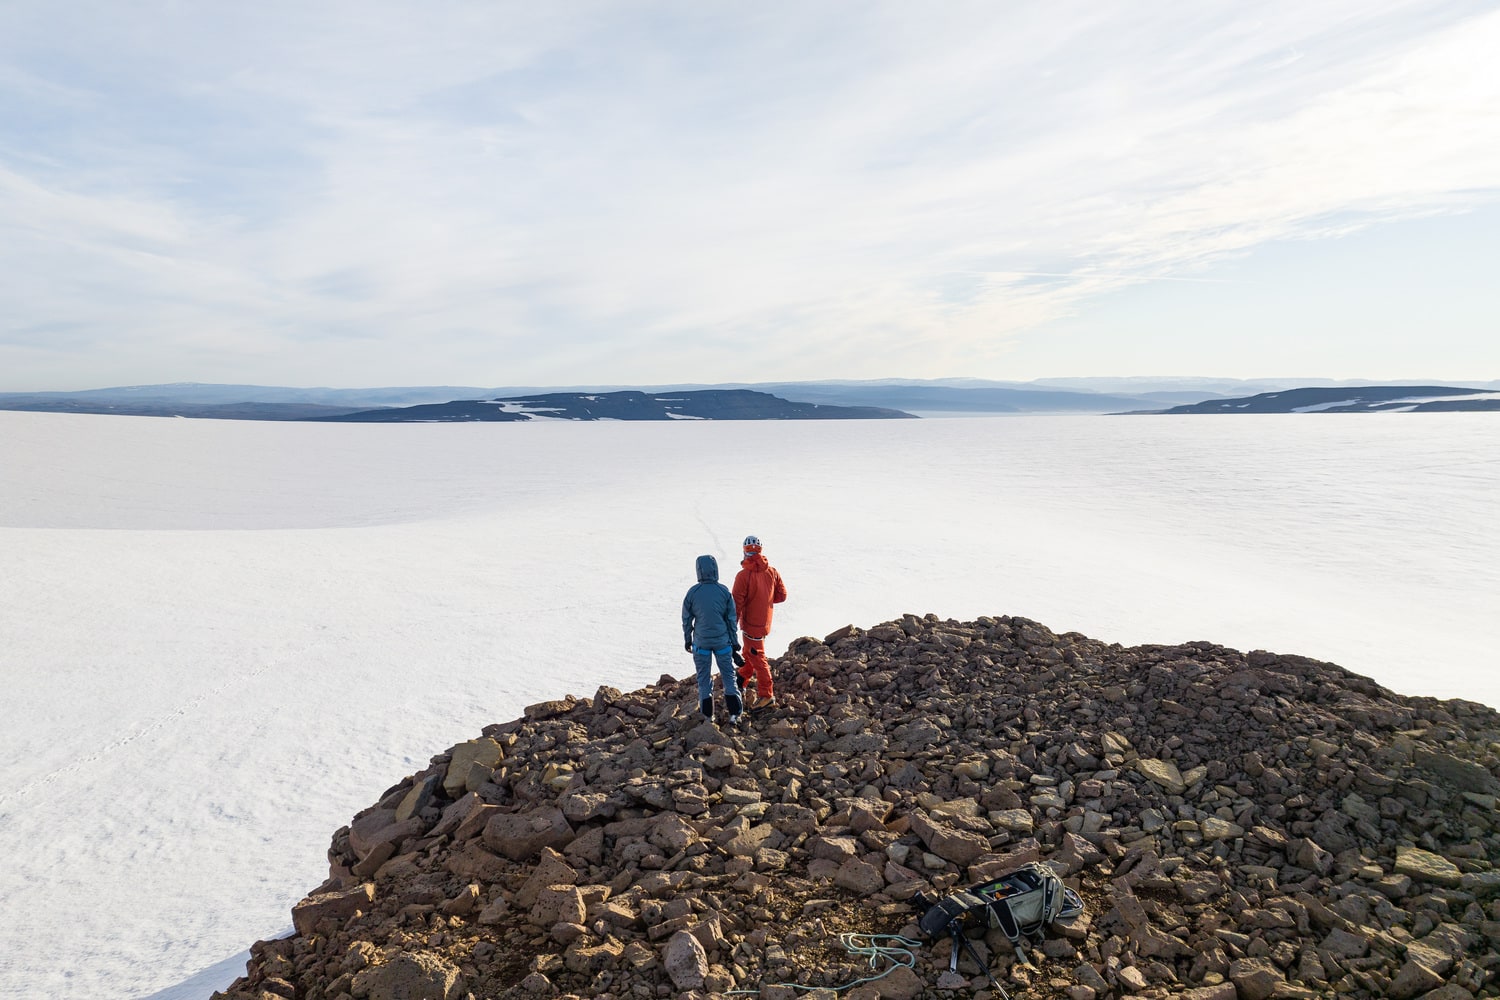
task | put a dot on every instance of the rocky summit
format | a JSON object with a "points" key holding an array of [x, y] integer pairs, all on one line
{"points": [[1239, 826]]}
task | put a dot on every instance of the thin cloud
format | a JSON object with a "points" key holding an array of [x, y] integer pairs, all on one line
{"points": [[377, 192]]}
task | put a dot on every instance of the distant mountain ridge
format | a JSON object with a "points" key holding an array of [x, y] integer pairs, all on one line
{"points": [[1355, 399], [706, 404], [917, 396]]}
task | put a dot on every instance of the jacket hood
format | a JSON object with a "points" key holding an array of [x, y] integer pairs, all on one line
{"points": [[708, 569], [755, 561]]}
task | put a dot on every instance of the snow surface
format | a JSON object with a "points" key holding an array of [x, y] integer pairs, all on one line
{"points": [[1319, 407], [531, 412], [220, 639]]}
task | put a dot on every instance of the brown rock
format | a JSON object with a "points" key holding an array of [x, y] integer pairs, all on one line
{"points": [[901, 983], [558, 904], [520, 836], [1411, 980], [418, 975], [1223, 991], [1427, 867], [365, 827], [859, 877], [484, 751], [463, 904], [685, 960], [550, 870], [455, 814], [338, 905], [418, 798], [957, 846], [1255, 978], [474, 823], [1163, 773]]}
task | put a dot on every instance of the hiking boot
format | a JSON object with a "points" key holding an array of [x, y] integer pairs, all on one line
{"points": [[758, 703], [733, 720]]}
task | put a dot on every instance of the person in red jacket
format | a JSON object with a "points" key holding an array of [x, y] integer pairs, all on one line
{"points": [[757, 589]]}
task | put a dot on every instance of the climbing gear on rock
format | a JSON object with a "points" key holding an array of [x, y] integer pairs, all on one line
{"points": [[1021, 905]]}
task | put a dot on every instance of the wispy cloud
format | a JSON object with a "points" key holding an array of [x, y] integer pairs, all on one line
{"points": [[382, 192]]}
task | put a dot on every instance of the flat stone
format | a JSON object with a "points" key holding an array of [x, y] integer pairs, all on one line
{"points": [[1214, 828], [483, 751], [901, 983], [1255, 978], [1346, 944], [1428, 867], [1163, 773], [338, 905], [1412, 980], [859, 877], [410, 976], [1223, 991], [1014, 821], [958, 846], [455, 814], [418, 798], [1468, 775]]}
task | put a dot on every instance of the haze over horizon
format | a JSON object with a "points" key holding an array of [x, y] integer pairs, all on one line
{"points": [[655, 193]]}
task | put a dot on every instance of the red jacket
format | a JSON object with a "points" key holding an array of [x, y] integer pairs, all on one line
{"points": [[757, 587]]}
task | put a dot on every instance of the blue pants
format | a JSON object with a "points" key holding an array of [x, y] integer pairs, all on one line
{"points": [[705, 672]]}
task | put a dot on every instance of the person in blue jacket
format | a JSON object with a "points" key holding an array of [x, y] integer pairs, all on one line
{"points": [[711, 627]]}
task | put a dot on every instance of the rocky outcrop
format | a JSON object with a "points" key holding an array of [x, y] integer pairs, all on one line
{"points": [[1238, 825]]}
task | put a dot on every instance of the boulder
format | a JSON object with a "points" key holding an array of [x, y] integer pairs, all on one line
{"points": [[484, 751], [520, 836], [958, 846], [685, 961], [339, 905], [419, 975]]}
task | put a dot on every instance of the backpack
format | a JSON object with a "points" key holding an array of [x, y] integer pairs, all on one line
{"points": [[1021, 905]]}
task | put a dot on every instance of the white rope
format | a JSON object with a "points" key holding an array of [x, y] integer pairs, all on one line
{"points": [[898, 953]]}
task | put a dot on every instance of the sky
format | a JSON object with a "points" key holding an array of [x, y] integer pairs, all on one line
{"points": [[390, 193]]}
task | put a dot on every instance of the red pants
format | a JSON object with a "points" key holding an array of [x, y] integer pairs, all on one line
{"points": [[756, 668]]}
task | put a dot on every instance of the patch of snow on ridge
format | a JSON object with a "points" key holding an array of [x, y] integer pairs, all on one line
{"points": [[1325, 406], [683, 416], [531, 412], [1386, 405], [1417, 400]]}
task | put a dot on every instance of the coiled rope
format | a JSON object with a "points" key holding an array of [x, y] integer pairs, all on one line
{"points": [[898, 952]]}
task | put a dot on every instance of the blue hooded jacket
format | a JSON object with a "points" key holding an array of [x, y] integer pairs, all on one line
{"points": [[708, 615]]}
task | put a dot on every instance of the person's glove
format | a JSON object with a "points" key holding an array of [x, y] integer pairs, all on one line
{"points": [[739, 660], [688, 646]]}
